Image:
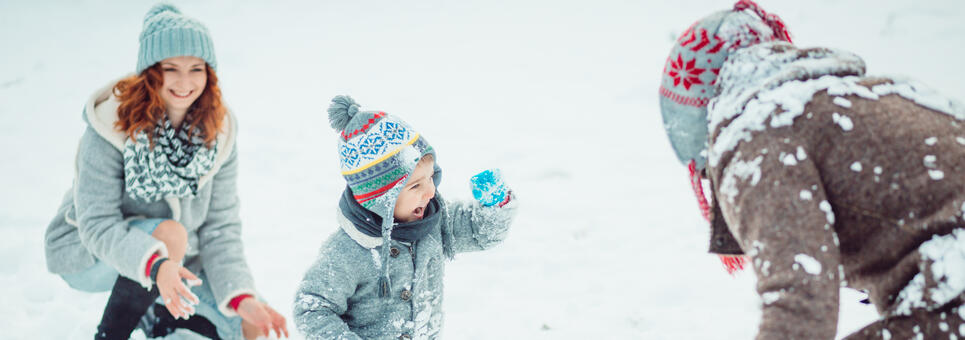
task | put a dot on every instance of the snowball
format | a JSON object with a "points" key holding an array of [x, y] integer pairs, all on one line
{"points": [[877, 170], [931, 140], [805, 195], [936, 174]]}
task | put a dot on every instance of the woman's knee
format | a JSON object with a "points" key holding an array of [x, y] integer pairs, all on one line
{"points": [[170, 230]]}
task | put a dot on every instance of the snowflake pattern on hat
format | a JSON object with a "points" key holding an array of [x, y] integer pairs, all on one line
{"points": [[691, 70]]}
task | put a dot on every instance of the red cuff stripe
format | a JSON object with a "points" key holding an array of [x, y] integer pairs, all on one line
{"points": [[236, 301], [150, 263], [509, 196]]}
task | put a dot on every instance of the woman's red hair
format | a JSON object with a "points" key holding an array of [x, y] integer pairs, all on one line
{"points": [[142, 107]]}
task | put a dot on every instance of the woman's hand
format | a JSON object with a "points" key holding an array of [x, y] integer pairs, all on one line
{"points": [[262, 317], [176, 296]]}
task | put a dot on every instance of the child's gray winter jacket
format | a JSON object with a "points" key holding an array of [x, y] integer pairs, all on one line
{"points": [[339, 295]]}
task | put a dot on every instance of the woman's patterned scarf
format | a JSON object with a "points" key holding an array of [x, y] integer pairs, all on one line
{"points": [[172, 167]]}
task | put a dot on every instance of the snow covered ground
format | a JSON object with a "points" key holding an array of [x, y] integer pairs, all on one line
{"points": [[562, 95]]}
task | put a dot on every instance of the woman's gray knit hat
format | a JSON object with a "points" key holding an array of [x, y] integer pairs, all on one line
{"points": [[167, 33]]}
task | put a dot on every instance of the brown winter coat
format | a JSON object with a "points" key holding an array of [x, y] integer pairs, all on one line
{"points": [[893, 179]]}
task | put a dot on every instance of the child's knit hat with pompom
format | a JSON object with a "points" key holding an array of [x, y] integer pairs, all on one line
{"points": [[377, 153]]}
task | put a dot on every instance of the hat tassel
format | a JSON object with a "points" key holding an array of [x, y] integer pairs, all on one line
{"points": [[732, 263]]}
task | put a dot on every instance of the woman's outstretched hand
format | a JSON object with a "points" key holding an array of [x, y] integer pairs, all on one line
{"points": [[176, 296], [262, 317]]}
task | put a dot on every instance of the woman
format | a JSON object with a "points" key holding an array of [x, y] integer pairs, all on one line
{"points": [[154, 198]]}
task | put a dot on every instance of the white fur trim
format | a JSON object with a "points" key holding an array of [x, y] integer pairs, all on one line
{"points": [[225, 140], [101, 112], [145, 280], [363, 240], [224, 307], [175, 204]]}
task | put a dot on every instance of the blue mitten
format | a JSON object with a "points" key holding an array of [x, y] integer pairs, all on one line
{"points": [[488, 187]]}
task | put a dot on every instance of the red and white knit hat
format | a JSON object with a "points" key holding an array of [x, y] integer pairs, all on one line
{"points": [[691, 70], [689, 80]]}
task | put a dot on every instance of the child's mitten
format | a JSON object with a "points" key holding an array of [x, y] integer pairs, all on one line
{"points": [[489, 189]]}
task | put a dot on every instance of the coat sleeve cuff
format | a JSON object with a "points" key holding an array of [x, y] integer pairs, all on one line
{"points": [[145, 280], [225, 305]]}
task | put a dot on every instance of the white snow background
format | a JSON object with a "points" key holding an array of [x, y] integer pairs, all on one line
{"points": [[561, 95]]}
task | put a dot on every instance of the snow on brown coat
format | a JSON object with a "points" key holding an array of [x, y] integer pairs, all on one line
{"points": [[827, 178]]}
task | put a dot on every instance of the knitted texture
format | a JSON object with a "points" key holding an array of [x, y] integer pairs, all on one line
{"points": [[167, 33], [691, 70], [377, 153]]}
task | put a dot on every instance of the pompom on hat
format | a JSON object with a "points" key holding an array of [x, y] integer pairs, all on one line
{"points": [[691, 70], [167, 33]]}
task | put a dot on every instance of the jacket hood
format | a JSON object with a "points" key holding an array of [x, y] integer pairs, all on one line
{"points": [[773, 81]]}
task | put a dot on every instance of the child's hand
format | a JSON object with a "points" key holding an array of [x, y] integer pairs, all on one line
{"points": [[488, 188], [262, 317], [176, 296]]}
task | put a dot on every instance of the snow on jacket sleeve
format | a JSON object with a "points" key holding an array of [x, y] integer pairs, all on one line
{"points": [[323, 295], [98, 193], [220, 246], [780, 215], [470, 226]]}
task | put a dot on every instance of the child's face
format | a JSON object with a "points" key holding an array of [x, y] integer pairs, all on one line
{"points": [[415, 196]]}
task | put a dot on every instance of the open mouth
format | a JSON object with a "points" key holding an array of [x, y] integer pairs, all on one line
{"points": [[419, 212], [181, 94]]}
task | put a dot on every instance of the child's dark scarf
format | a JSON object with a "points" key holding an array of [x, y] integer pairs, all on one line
{"points": [[370, 223]]}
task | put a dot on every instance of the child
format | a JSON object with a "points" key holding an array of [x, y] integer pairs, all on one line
{"points": [[380, 275], [824, 177]]}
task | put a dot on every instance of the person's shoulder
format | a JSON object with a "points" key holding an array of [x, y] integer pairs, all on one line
{"points": [[93, 143], [341, 247]]}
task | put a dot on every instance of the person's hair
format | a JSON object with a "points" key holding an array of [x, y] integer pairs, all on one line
{"points": [[142, 107], [427, 157]]}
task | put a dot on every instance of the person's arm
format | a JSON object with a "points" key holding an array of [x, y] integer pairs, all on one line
{"points": [[322, 297], [98, 193], [785, 224], [221, 250], [469, 226]]}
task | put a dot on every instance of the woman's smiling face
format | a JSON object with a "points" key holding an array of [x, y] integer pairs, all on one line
{"points": [[185, 78]]}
